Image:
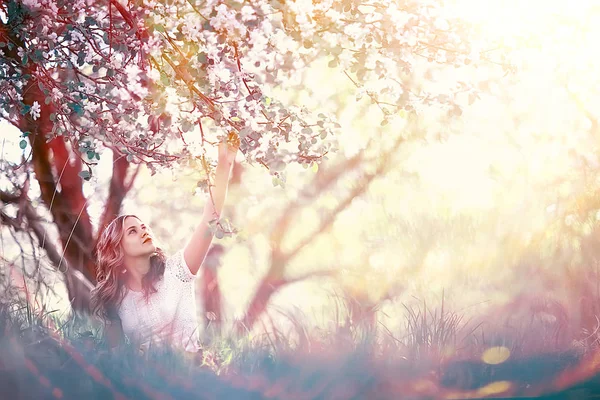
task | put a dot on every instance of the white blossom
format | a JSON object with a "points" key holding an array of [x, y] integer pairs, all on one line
{"points": [[133, 73], [137, 89], [52, 7], [441, 24], [33, 4], [116, 61], [91, 107], [225, 18], [248, 13], [153, 74], [56, 94], [35, 110], [88, 88], [77, 36], [192, 26], [270, 52]]}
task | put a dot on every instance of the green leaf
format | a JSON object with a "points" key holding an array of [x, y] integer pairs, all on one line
{"points": [[186, 126], [85, 175], [23, 144], [48, 100], [25, 134], [25, 59], [81, 58], [97, 156], [12, 10], [229, 357], [159, 27], [164, 78], [76, 108], [90, 154]]}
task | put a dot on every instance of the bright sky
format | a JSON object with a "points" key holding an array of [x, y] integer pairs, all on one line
{"points": [[9, 135]]}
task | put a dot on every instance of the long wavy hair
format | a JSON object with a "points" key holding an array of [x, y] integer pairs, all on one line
{"points": [[109, 292]]}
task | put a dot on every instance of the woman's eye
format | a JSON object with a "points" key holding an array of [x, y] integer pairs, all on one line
{"points": [[131, 231]]}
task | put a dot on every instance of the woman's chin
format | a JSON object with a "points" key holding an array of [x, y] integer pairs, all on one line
{"points": [[150, 249]]}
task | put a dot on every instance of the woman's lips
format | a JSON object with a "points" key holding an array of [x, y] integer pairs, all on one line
{"points": [[147, 240]]}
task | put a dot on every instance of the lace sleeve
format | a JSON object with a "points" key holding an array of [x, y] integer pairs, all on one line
{"points": [[177, 267]]}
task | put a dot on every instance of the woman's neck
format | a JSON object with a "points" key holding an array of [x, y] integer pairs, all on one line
{"points": [[137, 268], [134, 285]]}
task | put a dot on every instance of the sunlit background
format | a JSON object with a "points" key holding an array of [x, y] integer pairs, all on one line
{"points": [[474, 212]]}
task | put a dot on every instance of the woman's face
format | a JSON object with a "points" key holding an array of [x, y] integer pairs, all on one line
{"points": [[137, 239]]}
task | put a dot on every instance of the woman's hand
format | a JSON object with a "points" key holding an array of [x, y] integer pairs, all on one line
{"points": [[228, 149]]}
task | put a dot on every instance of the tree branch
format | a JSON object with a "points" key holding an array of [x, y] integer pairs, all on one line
{"points": [[357, 191], [267, 288], [117, 191], [312, 191], [33, 222], [274, 278], [71, 186]]}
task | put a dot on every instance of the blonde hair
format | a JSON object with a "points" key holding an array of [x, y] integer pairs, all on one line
{"points": [[108, 294]]}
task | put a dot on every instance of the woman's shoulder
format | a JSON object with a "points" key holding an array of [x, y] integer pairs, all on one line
{"points": [[176, 267]]}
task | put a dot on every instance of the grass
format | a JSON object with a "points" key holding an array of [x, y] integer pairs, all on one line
{"points": [[43, 356]]}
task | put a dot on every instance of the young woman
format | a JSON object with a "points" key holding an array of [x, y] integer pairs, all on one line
{"points": [[142, 294]]}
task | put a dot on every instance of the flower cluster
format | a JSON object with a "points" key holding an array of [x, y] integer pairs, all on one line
{"points": [[146, 76]]}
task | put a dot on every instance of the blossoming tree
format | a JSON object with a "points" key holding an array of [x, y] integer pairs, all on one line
{"points": [[158, 83]]}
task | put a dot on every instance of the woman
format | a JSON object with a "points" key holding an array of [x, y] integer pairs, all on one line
{"points": [[141, 293]]}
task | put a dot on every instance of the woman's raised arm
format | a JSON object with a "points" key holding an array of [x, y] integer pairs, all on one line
{"points": [[198, 245]]}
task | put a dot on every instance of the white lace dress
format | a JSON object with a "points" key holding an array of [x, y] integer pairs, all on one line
{"points": [[169, 314]]}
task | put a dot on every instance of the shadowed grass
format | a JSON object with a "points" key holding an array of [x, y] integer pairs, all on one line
{"points": [[42, 356]]}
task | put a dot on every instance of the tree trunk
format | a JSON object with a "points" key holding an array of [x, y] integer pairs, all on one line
{"points": [[258, 304], [62, 193]]}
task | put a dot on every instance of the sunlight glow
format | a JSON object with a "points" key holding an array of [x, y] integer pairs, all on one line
{"points": [[551, 43], [9, 135], [495, 355], [512, 19]]}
